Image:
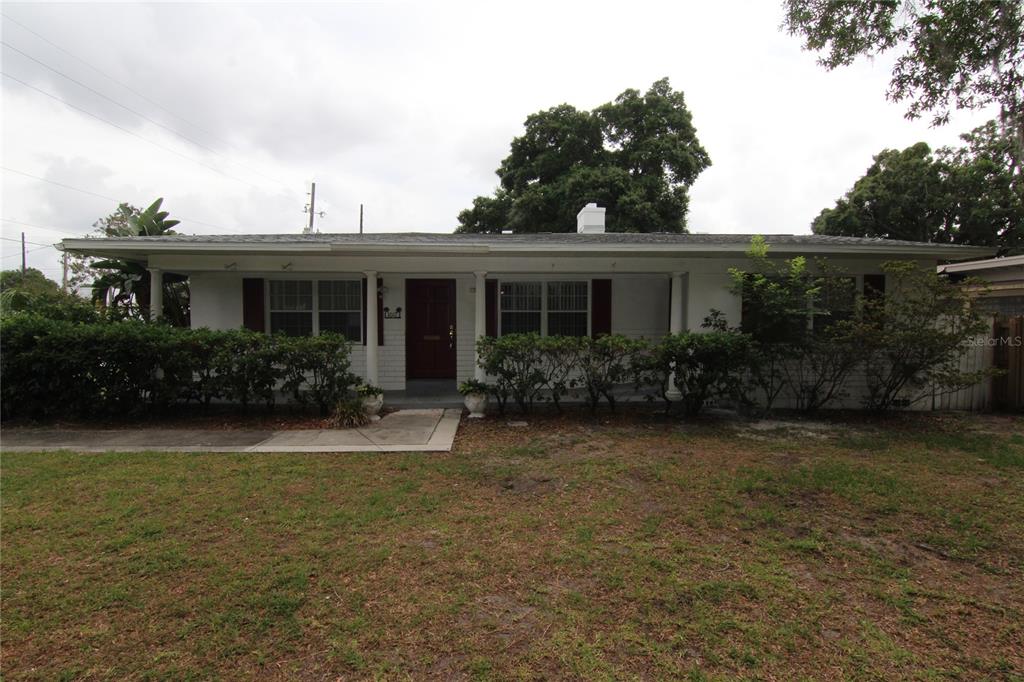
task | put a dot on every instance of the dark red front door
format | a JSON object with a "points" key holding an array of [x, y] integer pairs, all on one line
{"points": [[430, 328]]}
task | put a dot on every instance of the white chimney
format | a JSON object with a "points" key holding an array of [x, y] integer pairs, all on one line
{"points": [[590, 219]]}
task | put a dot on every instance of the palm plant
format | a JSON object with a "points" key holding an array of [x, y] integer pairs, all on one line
{"points": [[125, 285]]}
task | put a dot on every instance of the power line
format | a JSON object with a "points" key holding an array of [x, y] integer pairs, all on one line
{"points": [[102, 196], [38, 248], [133, 111], [129, 132], [39, 227], [12, 239], [134, 92]]}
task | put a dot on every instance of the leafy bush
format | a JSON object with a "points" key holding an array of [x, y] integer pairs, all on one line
{"points": [[603, 363], [317, 369], [349, 413], [912, 340], [700, 365], [59, 368], [516, 363]]}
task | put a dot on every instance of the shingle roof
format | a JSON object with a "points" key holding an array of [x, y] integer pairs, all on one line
{"points": [[609, 238]]}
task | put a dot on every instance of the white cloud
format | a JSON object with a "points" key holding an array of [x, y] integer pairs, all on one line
{"points": [[409, 108]]}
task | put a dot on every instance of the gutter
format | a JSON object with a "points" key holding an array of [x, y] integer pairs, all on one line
{"points": [[106, 247]]}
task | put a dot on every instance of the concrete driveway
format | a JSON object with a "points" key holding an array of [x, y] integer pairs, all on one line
{"points": [[425, 430]]}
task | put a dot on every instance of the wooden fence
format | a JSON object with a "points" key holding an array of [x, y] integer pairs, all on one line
{"points": [[1008, 355], [1002, 349]]}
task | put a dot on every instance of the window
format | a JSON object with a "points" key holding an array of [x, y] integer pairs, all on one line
{"points": [[337, 306], [520, 307], [551, 308], [291, 307], [340, 308], [567, 308], [834, 302]]}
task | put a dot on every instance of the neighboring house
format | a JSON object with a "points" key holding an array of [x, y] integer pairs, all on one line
{"points": [[1002, 289], [430, 296]]}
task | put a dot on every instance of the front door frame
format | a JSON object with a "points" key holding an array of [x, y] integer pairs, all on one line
{"points": [[410, 341]]}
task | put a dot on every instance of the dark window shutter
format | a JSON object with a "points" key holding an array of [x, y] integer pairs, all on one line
{"points": [[492, 307], [380, 312], [600, 307], [253, 316], [874, 286]]}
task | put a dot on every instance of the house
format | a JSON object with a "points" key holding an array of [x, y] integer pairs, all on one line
{"points": [[1001, 290], [414, 304]]}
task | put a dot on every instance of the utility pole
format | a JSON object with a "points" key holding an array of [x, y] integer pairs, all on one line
{"points": [[23, 254], [64, 280], [311, 209], [360, 218]]}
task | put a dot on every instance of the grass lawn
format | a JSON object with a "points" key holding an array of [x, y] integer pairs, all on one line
{"points": [[627, 548]]}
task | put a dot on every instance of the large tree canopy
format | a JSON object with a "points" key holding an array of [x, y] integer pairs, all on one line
{"points": [[963, 54], [636, 156], [963, 195]]}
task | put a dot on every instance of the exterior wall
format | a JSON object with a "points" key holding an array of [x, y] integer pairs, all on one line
{"points": [[706, 291], [216, 300], [640, 299], [640, 305]]}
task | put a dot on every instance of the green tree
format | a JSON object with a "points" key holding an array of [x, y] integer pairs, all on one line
{"points": [[81, 273], [985, 202], [32, 292], [637, 156], [963, 54], [955, 195], [125, 285], [901, 196]]}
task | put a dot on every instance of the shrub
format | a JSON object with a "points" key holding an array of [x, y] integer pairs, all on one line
{"points": [[248, 364], [349, 413], [55, 367], [316, 369], [515, 362], [700, 365], [603, 363], [912, 338]]}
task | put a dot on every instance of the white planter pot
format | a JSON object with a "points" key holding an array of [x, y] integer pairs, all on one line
{"points": [[372, 405], [476, 403]]}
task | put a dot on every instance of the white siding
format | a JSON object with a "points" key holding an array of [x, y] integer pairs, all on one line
{"points": [[640, 306], [216, 300]]}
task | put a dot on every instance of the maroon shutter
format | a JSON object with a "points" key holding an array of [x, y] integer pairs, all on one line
{"points": [[253, 316], [380, 312], [492, 307], [600, 307]]}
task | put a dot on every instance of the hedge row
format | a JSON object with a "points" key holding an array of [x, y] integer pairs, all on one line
{"points": [[58, 368], [526, 368]]}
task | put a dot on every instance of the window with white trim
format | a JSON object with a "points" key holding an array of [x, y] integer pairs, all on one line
{"points": [[309, 307], [291, 307], [521, 307], [554, 308], [340, 308], [568, 308]]}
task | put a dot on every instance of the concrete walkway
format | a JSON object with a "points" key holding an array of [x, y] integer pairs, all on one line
{"points": [[428, 430]]}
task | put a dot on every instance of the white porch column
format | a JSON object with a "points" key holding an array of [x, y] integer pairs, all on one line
{"points": [[372, 368], [675, 325], [480, 322], [156, 293]]}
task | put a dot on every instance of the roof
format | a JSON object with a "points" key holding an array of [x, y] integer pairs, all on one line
{"points": [[982, 265], [566, 243]]}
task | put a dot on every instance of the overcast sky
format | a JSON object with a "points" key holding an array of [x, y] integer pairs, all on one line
{"points": [[407, 108]]}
